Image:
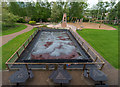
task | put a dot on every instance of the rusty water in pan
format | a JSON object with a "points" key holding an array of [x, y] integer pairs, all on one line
{"points": [[55, 45]]}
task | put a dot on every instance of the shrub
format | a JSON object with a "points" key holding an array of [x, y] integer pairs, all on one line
{"points": [[85, 19], [21, 20], [32, 22]]}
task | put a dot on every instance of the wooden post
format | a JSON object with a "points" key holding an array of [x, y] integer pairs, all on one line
{"points": [[18, 54], [82, 43], [96, 59], [56, 66], [84, 67], [26, 66], [88, 49], [47, 68], [32, 36], [65, 66], [7, 67], [102, 66], [24, 46]]}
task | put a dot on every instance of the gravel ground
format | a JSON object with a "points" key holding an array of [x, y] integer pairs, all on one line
{"points": [[92, 26]]}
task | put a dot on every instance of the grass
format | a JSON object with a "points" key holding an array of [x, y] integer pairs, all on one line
{"points": [[114, 26], [104, 42], [9, 48], [16, 28]]}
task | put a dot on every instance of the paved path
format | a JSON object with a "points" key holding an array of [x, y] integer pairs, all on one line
{"points": [[41, 77], [7, 38]]}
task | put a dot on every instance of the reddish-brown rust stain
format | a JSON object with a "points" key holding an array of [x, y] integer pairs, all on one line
{"points": [[48, 44], [60, 36], [72, 55], [62, 39]]}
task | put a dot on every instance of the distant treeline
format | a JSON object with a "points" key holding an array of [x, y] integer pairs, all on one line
{"points": [[46, 11]]}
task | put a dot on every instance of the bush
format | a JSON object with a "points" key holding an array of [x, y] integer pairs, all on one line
{"points": [[21, 20], [32, 22], [85, 19]]}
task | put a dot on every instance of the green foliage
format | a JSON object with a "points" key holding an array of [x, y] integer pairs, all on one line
{"points": [[55, 12], [42, 11], [94, 13], [106, 11], [104, 42], [85, 19], [36, 11], [115, 12], [73, 9], [17, 8], [21, 20], [14, 8], [8, 19], [32, 22], [77, 8]]}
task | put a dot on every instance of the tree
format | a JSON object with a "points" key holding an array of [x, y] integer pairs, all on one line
{"points": [[115, 12], [55, 12], [43, 10], [14, 8], [77, 8], [73, 9], [102, 9], [94, 12], [46, 10], [8, 19]]}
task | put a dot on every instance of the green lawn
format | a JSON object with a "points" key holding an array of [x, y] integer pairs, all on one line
{"points": [[16, 28], [9, 48], [115, 26], [104, 42]]}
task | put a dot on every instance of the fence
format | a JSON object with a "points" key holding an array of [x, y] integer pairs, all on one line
{"points": [[95, 57], [12, 64]]}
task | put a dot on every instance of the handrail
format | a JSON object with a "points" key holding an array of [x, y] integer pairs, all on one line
{"points": [[60, 63]]}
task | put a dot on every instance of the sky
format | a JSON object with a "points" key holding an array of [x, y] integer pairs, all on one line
{"points": [[90, 2], [93, 2]]}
